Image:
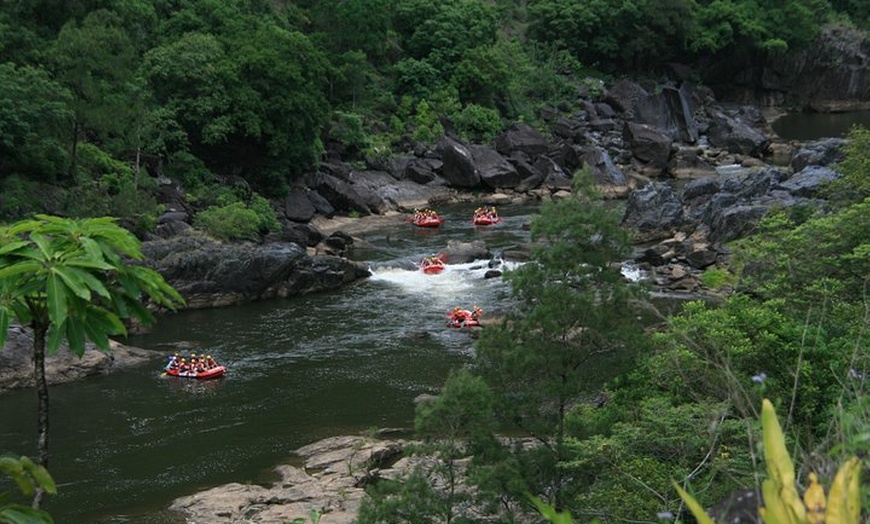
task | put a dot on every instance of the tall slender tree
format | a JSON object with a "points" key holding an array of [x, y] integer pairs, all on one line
{"points": [[574, 328], [72, 280]]}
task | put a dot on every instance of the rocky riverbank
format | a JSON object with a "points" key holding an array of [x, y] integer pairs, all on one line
{"points": [[694, 175]]}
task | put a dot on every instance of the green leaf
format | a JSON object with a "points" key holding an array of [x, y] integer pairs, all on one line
{"points": [[93, 283], [57, 299], [18, 514], [43, 478], [75, 334], [55, 337], [12, 246], [73, 281], [19, 268], [5, 318]]}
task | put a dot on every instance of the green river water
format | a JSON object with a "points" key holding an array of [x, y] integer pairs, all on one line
{"points": [[123, 446]]}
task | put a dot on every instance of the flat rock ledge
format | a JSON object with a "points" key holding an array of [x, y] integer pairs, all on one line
{"points": [[16, 364], [330, 481]]}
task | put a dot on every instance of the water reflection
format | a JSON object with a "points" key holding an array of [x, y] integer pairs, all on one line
{"points": [[813, 126], [193, 386]]}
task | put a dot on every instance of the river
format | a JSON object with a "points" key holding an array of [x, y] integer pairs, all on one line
{"points": [[811, 126], [123, 446]]}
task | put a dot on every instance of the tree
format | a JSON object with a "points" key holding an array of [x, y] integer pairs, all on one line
{"points": [[574, 326], [95, 61], [34, 118], [72, 280], [249, 103]]}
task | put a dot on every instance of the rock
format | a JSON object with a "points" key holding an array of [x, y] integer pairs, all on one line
{"points": [[297, 205], [459, 168], [819, 153], [809, 181], [494, 170], [464, 252], [669, 110], [734, 132], [522, 137], [330, 482], [654, 212], [214, 274], [648, 144], [16, 365]]}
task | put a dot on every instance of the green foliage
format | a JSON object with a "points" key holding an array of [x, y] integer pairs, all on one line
{"points": [[636, 35], [818, 265], [96, 62], [68, 276], [571, 331], [29, 477], [21, 197], [464, 410], [239, 221], [410, 501], [34, 121], [268, 128], [478, 124], [426, 127], [855, 167], [623, 454], [744, 348], [717, 278]]}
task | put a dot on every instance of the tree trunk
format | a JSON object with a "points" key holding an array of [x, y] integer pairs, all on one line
{"points": [[39, 333]]}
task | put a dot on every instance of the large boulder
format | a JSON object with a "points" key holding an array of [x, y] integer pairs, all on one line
{"points": [[495, 171], [521, 137], [734, 132], [459, 168], [215, 274], [297, 205], [648, 144], [340, 193], [654, 212], [810, 181], [669, 110], [818, 153]]}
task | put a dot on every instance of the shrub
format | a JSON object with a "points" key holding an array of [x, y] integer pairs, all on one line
{"points": [[238, 221], [232, 222]]}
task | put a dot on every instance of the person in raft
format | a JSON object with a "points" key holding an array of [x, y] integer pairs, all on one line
{"points": [[458, 316], [476, 313]]}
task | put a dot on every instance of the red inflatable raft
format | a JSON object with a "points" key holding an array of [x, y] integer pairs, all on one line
{"points": [[426, 218], [432, 265], [433, 221], [485, 216], [486, 220], [201, 375], [464, 318], [203, 367]]}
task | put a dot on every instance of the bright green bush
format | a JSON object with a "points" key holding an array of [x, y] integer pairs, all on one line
{"points": [[238, 221], [717, 278]]}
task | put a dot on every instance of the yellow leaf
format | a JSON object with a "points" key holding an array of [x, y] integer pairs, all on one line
{"points": [[814, 500], [693, 505], [780, 469], [844, 501]]}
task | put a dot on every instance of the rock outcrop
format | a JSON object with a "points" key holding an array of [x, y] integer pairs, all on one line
{"points": [[16, 361]]}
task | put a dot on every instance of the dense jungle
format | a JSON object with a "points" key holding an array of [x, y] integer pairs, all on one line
{"points": [[582, 402]]}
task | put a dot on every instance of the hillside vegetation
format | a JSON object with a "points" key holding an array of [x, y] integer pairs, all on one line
{"points": [[229, 97]]}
